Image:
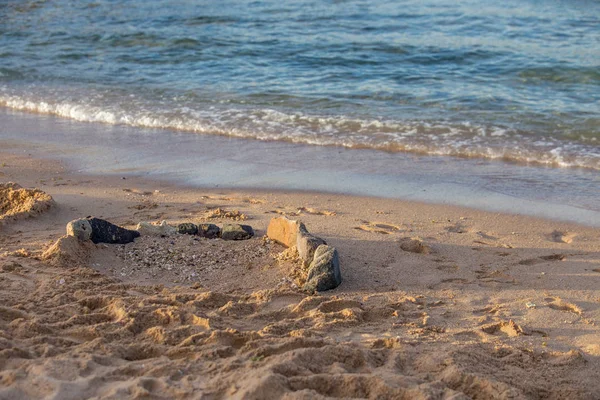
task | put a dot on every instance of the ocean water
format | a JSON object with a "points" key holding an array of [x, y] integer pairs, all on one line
{"points": [[490, 98], [517, 80]]}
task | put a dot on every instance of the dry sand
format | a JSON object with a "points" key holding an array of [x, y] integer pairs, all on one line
{"points": [[437, 302]]}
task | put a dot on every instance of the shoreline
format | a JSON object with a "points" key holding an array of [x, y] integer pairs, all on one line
{"points": [[143, 183], [206, 161]]}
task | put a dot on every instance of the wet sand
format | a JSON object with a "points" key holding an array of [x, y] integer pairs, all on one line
{"points": [[211, 161]]}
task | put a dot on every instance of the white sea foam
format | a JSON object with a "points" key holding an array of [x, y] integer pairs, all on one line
{"points": [[445, 139]]}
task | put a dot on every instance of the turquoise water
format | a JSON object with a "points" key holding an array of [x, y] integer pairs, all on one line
{"points": [[517, 81]]}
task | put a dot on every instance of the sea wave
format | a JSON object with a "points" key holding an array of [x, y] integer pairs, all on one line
{"points": [[443, 138]]}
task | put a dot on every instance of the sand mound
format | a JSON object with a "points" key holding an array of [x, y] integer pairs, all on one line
{"points": [[17, 202], [68, 252]]}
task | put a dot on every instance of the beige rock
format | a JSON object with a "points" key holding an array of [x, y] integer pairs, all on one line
{"points": [[414, 246], [148, 229], [284, 231], [80, 229]]}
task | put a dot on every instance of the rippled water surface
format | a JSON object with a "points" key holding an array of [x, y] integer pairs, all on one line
{"points": [[513, 80]]}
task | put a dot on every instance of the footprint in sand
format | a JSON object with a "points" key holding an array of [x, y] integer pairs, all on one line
{"points": [[378, 227], [313, 211], [556, 303], [253, 201], [562, 237], [499, 276], [448, 268], [302, 210], [137, 191], [511, 329], [457, 228], [455, 280], [281, 211], [551, 257], [486, 236]]}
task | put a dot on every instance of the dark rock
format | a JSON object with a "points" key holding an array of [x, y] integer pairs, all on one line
{"points": [[105, 232], [210, 231], [324, 271], [236, 232], [187, 228]]}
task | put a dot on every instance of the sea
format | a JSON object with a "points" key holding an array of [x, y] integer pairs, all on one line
{"points": [[494, 105]]}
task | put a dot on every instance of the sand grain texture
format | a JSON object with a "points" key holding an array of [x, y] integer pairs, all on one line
{"points": [[17, 202], [498, 309]]}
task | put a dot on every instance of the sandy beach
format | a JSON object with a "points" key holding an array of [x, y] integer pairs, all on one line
{"points": [[491, 306], [299, 200]]}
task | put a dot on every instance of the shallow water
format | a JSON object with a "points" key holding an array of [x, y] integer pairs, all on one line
{"points": [[516, 81]]}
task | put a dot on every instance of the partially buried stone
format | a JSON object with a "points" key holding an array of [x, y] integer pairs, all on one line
{"points": [[324, 272], [187, 228], [236, 232], [283, 231], [105, 232], [148, 229], [413, 246], [80, 229], [307, 244], [210, 231]]}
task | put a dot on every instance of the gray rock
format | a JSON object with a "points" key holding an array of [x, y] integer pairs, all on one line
{"points": [[105, 232], [80, 229], [307, 244], [324, 271], [210, 231], [236, 232], [187, 228]]}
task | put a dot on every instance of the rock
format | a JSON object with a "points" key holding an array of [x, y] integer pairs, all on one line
{"points": [[210, 231], [80, 229], [323, 260], [187, 228], [148, 229], [284, 231], [307, 244], [413, 246], [236, 232], [105, 232], [324, 271]]}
